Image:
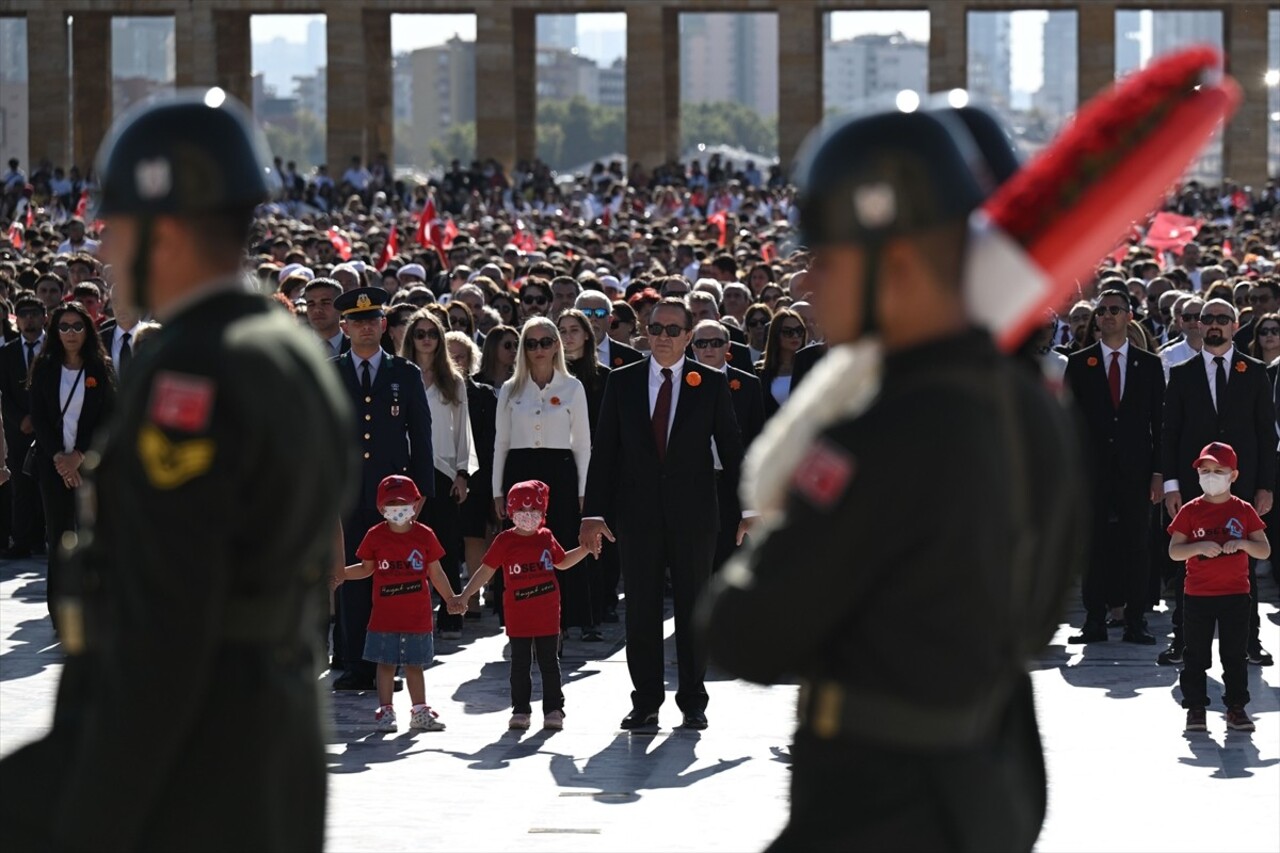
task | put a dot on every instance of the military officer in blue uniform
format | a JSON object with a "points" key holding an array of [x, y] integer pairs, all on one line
{"points": [[393, 431]]}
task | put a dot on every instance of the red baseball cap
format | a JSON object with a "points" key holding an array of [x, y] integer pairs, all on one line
{"points": [[1218, 453], [397, 487], [530, 495]]}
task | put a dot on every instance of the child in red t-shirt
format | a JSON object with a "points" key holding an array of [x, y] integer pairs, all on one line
{"points": [[400, 554], [1216, 534], [531, 600]]}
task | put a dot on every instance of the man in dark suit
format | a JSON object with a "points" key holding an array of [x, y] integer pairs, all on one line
{"points": [[118, 335], [320, 295], [1219, 395], [1119, 390], [599, 311], [25, 512], [710, 348], [652, 470], [393, 428], [704, 307]]}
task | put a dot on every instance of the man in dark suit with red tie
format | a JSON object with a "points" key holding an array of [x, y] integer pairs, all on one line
{"points": [[16, 358], [652, 473], [1119, 390], [1219, 395]]}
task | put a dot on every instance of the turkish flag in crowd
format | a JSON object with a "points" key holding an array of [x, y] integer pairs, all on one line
{"points": [[341, 244], [82, 206], [390, 249], [424, 223], [450, 231], [15, 235], [720, 220], [1171, 231]]}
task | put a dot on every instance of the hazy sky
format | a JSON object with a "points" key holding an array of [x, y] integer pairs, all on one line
{"points": [[409, 32]]}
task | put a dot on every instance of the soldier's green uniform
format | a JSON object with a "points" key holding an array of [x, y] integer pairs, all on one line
{"points": [[188, 714]]}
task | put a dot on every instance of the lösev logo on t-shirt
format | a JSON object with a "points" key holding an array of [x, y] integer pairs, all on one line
{"points": [[544, 564], [1233, 529], [415, 562]]}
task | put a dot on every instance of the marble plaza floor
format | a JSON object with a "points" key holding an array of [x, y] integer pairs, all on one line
{"points": [[1122, 774]]}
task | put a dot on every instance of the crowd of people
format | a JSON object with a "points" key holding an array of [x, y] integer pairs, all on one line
{"points": [[476, 323]]}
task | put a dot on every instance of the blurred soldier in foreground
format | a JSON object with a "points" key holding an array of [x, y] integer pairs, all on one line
{"points": [[917, 541], [188, 713]]}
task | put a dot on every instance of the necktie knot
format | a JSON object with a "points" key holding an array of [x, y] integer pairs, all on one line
{"points": [[1217, 359], [666, 374]]}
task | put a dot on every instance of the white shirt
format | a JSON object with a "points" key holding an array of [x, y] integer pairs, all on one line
{"points": [[655, 384], [39, 342], [375, 361], [530, 418], [1122, 361], [602, 352], [71, 420], [66, 247], [451, 440], [335, 348], [780, 389], [1176, 353]]}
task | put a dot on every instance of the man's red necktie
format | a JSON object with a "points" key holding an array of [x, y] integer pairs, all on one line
{"points": [[662, 414], [1113, 377]]}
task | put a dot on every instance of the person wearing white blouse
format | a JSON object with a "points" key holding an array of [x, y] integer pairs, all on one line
{"points": [[451, 443], [543, 433]]}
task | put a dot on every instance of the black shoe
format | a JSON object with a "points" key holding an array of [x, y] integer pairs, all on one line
{"points": [[1139, 635], [354, 681], [1115, 623], [1089, 634], [1171, 656], [337, 663], [695, 720], [1258, 656], [591, 635], [640, 720]]}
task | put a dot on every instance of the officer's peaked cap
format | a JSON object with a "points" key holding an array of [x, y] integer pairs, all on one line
{"points": [[194, 152]]}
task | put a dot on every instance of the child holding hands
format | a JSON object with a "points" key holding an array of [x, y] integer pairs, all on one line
{"points": [[528, 554], [400, 554], [1216, 534]]}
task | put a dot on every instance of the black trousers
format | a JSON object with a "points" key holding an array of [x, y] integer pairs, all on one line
{"points": [[1118, 564], [25, 512], [354, 601], [1200, 614], [730, 517], [442, 516], [60, 517], [646, 552], [1253, 636], [523, 652]]}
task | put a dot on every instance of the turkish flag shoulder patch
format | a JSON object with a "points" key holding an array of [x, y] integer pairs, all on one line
{"points": [[823, 474], [182, 401]]}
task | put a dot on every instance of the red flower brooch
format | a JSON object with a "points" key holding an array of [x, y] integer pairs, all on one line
{"points": [[90, 382], [734, 384], [1092, 362], [1241, 367], [617, 361], [693, 380], [555, 401]]}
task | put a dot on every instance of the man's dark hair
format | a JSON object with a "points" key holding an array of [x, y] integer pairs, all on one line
{"points": [[317, 283], [726, 263], [672, 302], [86, 288], [1118, 293], [27, 300], [1270, 284]]}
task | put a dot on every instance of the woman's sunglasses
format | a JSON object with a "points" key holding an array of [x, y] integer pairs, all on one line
{"points": [[424, 334], [71, 327], [539, 343]]}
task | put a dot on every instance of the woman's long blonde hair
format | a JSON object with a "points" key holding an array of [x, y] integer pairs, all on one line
{"points": [[534, 324]]}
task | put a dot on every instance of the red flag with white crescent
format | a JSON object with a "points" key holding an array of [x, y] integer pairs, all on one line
{"points": [[390, 249], [82, 206]]}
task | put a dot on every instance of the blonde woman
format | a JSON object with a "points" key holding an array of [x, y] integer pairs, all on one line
{"points": [[451, 444], [543, 433]]}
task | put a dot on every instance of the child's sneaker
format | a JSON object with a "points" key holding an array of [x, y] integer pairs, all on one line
{"points": [[518, 721], [554, 720], [1196, 720], [1238, 720], [424, 719], [384, 719]]}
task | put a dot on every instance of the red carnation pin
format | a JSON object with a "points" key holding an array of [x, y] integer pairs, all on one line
{"points": [[693, 380], [90, 382], [735, 384], [1092, 362], [1241, 367], [555, 401]]}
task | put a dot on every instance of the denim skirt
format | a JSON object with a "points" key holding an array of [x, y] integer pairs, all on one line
{"points": [[399, 649]]}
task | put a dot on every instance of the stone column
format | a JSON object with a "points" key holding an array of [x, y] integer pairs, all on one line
{"points": [[653, 85], [1244, 145], [90, 84], [799, 75], [1095, 48], [948, 46], [525, 81], [495, 88], [377, 114], [48, 101], [233, 57], [195, 39], [345, 133]]}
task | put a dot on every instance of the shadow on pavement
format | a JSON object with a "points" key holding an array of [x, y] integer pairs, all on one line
{"points": [[627, 766], [1122, 669], [506, 749], [490, 691], [1234, 758], [362, 754]]}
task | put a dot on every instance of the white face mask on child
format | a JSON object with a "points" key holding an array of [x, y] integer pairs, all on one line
{"points": [[398, 514], [526, 520], [1214, 484]]}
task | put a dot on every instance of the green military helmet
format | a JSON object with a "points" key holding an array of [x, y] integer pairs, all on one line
{"points": [[194, 152], [875, 176]]}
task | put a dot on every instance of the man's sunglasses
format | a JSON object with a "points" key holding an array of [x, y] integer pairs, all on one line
{"points": [[534, 300], [1219, 319], [1261, 299], [1110, 309], [672, 330], [1193, 317], [539, 343], [714, 343], [30, 312], [598, 313]]}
